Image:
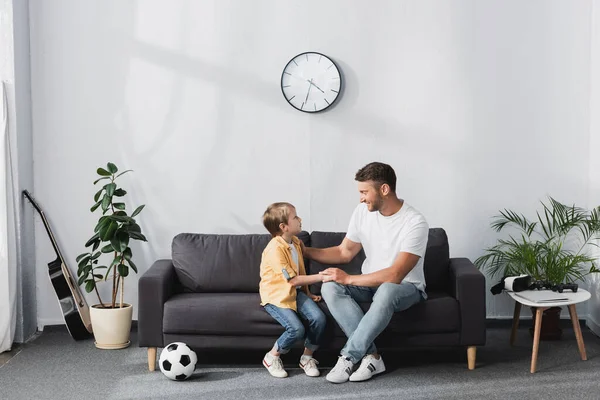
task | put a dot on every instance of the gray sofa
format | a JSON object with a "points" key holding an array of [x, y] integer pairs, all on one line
{"points": [[207, 296]]}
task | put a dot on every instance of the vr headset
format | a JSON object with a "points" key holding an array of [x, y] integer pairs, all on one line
{"points": [[512, 283]]}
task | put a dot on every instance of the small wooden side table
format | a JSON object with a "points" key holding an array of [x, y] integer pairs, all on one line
{"points": [[573, 298]]}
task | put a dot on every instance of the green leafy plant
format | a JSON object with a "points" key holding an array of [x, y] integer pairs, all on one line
{"points": [[551, 248], [112, 235]]}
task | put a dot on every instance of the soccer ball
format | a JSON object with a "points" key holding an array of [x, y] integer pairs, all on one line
{"points": [[177, 361]]}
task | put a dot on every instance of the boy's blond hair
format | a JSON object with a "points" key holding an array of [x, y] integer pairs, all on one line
{"points": [[276, 214]]}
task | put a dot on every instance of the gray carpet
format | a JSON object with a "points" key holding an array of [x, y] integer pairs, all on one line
{"points": [[53, 366]]}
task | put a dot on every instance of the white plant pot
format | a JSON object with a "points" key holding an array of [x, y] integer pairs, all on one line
{"points": [[111, 326]]}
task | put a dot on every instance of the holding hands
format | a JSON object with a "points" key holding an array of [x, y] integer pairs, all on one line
{"points": [[334, 275]]}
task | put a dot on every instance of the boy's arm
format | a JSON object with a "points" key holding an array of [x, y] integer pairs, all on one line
{"points": [[302, 280]]}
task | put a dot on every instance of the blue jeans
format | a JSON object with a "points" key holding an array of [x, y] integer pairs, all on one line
{"points": [[360, 328], [309, 311]]}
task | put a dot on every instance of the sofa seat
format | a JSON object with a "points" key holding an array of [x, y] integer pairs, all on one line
{"points": [[218, 314], [241, 314]]}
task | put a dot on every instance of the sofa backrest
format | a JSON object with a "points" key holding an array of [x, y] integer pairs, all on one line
{"points": [[220, 263], [436, 266]]}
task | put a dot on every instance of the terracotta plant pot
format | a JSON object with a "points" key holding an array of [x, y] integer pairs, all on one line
{"points": [[550, 329], [111, 326]]}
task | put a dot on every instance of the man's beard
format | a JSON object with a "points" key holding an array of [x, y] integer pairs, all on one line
{"points": [[376, 205]]}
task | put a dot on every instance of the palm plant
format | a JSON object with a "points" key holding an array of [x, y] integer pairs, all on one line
{"points": [[552, 248], [112, 234]]}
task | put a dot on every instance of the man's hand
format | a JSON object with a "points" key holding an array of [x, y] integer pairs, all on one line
{"points": [[335, 275], [315, 298], [302, 247]]}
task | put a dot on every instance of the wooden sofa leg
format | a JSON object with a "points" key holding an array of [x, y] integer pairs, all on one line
{"points": [[471, 353], [151, 358]]}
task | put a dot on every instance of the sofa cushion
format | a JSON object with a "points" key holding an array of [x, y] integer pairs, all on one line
{"points": [[240, 314], [218, 314], [220, 263]]}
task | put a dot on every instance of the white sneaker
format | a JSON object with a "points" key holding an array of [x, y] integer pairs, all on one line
{"points": [[369, 367], [309, 365], [341, 372], [275, 366]]}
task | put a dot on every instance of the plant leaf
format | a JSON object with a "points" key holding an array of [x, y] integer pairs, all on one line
{"points": [[119, 206], [103, 172], [92, 240], [123, 270], [138, 210], [89, 285], [97, 195], [124, 172], [110, 189], [101, 179], [133, 266], [105, 202], [120, 193], [137, 236], [120, 241], [107, 249], [107, 232], [112, 168]]}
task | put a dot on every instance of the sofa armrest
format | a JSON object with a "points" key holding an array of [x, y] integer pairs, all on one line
{"points": [[467, 285], [155, 287]]}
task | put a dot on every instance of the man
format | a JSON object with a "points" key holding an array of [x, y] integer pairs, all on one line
{"points": [[394, 237]]}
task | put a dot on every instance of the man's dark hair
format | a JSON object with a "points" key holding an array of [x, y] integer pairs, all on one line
{"points": [[379, 173]]}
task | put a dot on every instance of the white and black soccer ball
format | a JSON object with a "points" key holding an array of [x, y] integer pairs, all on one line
{"points": [[177, 361]]}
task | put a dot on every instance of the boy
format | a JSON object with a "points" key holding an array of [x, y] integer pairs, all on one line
{"points": [[284, 291]]}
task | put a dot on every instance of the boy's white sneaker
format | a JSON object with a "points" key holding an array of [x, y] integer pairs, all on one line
{"points": [[341, 371], [369, 367], [309, 365], [274, 365]]}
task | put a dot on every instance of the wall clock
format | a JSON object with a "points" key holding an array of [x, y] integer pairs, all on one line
{"points": [[311, 82]]}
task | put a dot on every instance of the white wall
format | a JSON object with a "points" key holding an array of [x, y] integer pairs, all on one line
{"points": [[593, 320], [477, 105]]}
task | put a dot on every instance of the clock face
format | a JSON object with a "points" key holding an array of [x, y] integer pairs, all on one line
{"points": [[311, 82]]}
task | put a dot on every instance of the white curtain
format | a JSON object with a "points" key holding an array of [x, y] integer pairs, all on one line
{"points": [[8, 278]]}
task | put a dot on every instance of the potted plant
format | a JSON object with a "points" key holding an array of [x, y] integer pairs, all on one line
{"points": [[111, 321], [552, 248]]}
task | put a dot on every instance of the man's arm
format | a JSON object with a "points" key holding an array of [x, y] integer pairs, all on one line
{"points": [[403, 264], [342, 254]]}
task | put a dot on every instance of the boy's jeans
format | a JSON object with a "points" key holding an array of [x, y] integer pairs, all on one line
{"points": [[360, 328], [294, 329]]}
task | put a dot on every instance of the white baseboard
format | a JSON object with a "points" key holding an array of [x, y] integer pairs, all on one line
{"points": [[42, 322]]}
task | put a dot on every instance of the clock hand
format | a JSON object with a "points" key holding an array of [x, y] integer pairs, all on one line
{"points": [[307, 93], [311, 82]]}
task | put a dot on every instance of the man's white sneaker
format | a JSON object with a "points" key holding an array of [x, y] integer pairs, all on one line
{"points": [[369, 367], [341, 372], [274, 365], [309, 365]]}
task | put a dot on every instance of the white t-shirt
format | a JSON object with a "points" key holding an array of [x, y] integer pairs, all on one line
{"points": [[383, 238]]}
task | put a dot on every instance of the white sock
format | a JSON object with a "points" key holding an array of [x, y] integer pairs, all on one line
{"points": [[305, 358], [270, 357]]}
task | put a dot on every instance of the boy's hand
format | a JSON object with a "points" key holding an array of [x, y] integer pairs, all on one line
{"points": [[315, 298]]}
